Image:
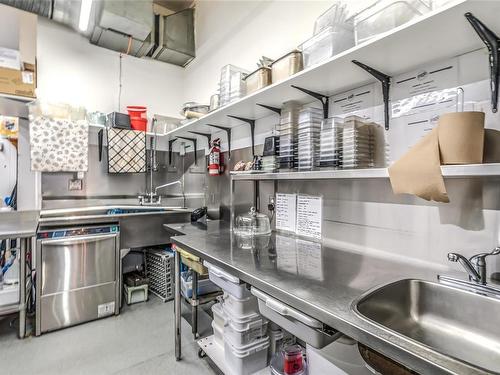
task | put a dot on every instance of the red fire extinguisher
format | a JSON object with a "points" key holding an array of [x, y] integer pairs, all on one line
{"points": [[215, 159]]}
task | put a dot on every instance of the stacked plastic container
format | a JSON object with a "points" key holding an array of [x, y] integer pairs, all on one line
{"points": [[244, 336], [332, 35], [270, 156], [232, 84], [331, 143], [309, 129], [288, 131], [358, 143]]}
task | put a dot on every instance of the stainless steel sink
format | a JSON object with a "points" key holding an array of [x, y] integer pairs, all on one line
{"points": [[454, 322]]}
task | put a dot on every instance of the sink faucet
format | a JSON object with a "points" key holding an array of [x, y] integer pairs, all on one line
{"points": [[475, 266], [154, 198]]}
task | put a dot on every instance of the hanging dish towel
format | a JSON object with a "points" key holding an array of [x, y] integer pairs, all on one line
{"points": [[126, 151], [59, 145]]}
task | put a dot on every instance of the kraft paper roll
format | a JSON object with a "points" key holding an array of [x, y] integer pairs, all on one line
{"points": [[457, 139]]}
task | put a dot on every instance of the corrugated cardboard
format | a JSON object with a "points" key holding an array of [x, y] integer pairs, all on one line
{"points": [[457, 139], [18, 82]]}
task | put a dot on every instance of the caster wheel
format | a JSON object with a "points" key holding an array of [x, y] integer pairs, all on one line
{"points": [[201, 353]]}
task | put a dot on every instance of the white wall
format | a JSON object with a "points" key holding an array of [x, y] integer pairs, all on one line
{"points": [[240, 32], [72, 70]]}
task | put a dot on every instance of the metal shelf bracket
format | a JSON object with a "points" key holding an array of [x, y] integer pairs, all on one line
{"points": [[385, 80], [325, 100], [251, 123], [228, 132], [170, 144], [274, 109], [492, 42], [195, 144]]}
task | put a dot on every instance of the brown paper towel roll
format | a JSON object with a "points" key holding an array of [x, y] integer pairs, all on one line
{"points": [[458, 139], [461, 137]]}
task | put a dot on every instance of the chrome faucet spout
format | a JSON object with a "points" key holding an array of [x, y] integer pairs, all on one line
{"points": [[467, 265]]}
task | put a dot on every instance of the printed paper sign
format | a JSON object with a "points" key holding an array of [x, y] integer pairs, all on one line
{"points": [[286, 208], [309, 216]]}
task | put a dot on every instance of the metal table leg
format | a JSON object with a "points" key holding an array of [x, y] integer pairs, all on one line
{"points": [[177, 306], [194, 305], [22, 286]]}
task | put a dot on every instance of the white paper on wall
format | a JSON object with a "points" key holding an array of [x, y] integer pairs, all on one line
{"points": [[286, 208], [309, 216]]}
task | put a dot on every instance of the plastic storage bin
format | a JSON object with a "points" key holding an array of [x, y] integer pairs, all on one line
{"points": [[135, 294], [339, 358], [243, 334], [240, 306], [301, 325], [385, 15], [205, 286], [227, 282], [220, 317], [245, 360], [327, 44], [218, 334]]}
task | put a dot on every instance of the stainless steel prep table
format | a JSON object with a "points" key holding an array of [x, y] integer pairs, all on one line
{"points": [[326, 295], [22, 225]]}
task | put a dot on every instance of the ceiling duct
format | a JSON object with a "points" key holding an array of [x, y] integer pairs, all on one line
{"points": [[125, 26], [174, 39], [41, 7], [128, 26]]}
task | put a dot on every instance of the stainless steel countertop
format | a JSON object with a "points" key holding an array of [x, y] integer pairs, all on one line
{"points": [[18, 224], [320, 281]]}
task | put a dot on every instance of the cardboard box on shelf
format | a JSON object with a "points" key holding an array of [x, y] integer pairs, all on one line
{"points": [[18, 82], [10, 58]]}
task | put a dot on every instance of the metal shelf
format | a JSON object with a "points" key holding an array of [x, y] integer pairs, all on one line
{"points": [[400, 50], [448, 171]]}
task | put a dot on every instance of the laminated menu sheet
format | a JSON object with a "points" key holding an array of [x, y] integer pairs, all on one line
{"points": [[286, 207], [309, 216]]}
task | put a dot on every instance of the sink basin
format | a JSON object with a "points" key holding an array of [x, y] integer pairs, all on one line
{"points": [[105, 210], [454, 322]]}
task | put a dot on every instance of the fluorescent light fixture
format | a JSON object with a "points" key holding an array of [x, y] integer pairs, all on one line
{"points": [[83, 24]]}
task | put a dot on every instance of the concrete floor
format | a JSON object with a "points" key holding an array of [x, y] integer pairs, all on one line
{"points": [[138, 341]]}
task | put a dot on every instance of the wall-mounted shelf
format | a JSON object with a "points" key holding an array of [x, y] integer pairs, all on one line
{"points": [[438, 35], [24, 99], [448, 171], [99, 126]]}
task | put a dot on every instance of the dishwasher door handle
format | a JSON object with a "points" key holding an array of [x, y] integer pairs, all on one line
{"points": [[77, 240], [286, 310]]}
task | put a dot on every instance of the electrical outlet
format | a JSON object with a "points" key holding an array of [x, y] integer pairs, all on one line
{"points": [[75, 184]]}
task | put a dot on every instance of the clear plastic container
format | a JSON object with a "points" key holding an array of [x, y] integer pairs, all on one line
{"points": [[385, 15], [252, 223], [326, 44], [333, 16]]}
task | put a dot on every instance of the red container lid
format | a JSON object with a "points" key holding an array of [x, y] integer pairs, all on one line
{"points": [[137, 111]]}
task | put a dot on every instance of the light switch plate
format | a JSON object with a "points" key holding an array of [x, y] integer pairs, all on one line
{"points": [[75, 185]]}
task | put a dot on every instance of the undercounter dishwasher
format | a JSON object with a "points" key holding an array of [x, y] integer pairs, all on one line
{"points": [[77, 275]]}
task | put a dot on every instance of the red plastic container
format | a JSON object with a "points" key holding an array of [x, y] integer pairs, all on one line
{"points": [[138, 123], [137, 111]]}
